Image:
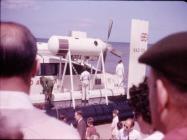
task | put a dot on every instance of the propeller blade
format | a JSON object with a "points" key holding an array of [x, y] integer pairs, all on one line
{"points": [[114, 51], [110, 28]]}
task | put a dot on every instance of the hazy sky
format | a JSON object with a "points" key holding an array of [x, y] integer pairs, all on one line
{"points": [[48, 17]]}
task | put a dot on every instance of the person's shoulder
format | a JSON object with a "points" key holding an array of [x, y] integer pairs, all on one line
{"points": [[116, 118], [56, 128], [62, 127], [87, 72], [121, 131], [82, 122], [122, 65], [136, 133], [35, 124], [46, 124], [155, 135]]}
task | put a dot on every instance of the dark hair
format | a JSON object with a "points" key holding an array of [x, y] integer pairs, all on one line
{"points": [[140, 102], [115, 111], [178, 83], [119, 125], [90, 120], [17, 49], [62, 116], [119, 61], [79, 112], [84, 68]]}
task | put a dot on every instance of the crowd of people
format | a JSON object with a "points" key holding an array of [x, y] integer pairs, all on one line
{"points": [[123, 130], [165, 93]]}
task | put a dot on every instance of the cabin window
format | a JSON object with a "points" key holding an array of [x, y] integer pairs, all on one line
{"points": [[48, 69], [95, 43], [52, 69]]}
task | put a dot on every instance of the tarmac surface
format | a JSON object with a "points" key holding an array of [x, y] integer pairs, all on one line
{"points": [[105, 130]]}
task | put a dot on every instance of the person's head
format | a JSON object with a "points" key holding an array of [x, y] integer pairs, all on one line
{"points": [[120, 61], [115, 113], [90, 121], [119, 125], [128, 124], [168, 81], [84, 68], [78, 115], [63, 117], [95, 136], [17, 52]]}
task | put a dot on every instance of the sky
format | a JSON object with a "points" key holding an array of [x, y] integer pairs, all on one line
{"points": [[56, 17]]}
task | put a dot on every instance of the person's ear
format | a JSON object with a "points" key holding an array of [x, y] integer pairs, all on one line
{"points": [[162, 98], [35, 67]]}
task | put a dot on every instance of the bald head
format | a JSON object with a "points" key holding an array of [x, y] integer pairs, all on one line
{"points": [[129, 123], [17, 49]]}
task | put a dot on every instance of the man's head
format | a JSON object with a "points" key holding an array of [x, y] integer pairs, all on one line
{"points": [[17, 51], [63, 117], [167, 81], [115, 112], [78, 115], [90, 121], [128, 124]]}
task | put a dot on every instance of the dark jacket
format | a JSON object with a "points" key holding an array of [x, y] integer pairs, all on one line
{"points": [[81, 127]]}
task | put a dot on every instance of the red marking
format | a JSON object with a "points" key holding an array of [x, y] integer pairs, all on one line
{"points": [[63, 47]]}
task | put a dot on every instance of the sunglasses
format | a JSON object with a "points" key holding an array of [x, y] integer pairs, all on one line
{"points": [[126, 127]]}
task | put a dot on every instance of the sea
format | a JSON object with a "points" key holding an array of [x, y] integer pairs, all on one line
{"points": [[112, 60]]}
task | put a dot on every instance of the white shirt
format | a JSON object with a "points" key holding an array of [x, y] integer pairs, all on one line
{"points": [[14, 100], [155, 136], [119, 133], [85, 76], [18, 109], [114, 126], [120, 69], [133, 135]]}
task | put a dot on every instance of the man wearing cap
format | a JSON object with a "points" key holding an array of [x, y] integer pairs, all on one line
{"points": [[168, 85]]}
